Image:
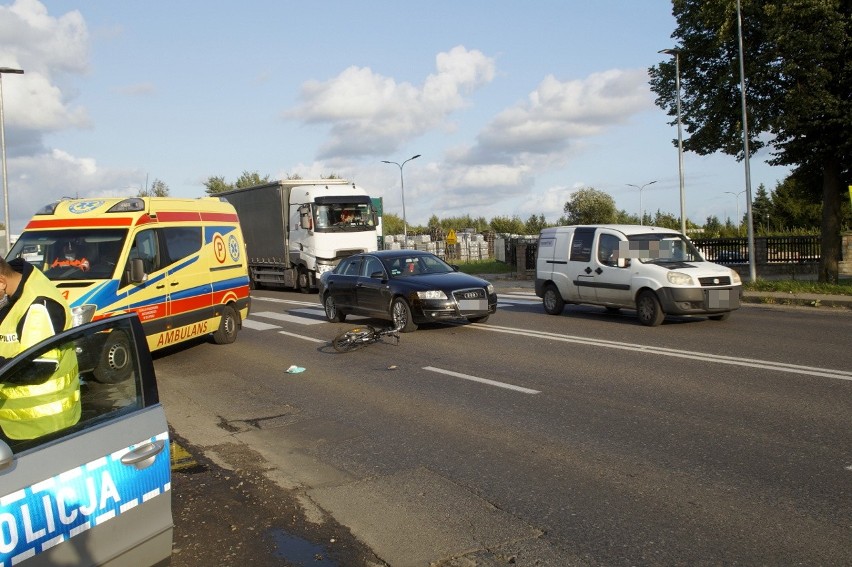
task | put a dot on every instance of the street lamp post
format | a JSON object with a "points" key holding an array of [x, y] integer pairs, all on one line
{"points": [[3, 146], [641, 211], [752, 267], [676, 53], [737, 197], [402, 188]]}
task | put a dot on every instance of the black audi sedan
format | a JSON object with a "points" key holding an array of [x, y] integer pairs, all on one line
{"points": [[406, 287]]}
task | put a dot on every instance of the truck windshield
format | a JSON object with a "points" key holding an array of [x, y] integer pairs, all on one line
{"points": [[78, 254], [343, 217], [662, 248]]}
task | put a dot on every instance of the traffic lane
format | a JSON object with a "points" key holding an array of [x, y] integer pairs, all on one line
{"points": [[673, 460], [795, 335], [363, 396], [441, 340]]}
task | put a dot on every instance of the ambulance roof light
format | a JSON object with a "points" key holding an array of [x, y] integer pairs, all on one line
{"points": [[48, 209], [131, 205]]}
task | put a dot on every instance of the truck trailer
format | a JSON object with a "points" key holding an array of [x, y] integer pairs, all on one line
{"points": [[296, 229]]}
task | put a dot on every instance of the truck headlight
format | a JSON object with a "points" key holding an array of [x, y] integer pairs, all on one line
{"points": [[679, 278], [432, 294]]}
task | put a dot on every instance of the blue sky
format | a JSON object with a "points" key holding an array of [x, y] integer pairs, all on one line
{"points": [[512, 105]]}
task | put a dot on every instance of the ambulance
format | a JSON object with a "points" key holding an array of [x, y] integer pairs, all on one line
{"points": [[179, 264]]}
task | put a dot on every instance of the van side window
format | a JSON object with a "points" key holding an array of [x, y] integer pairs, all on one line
{"points": [[608, 249], [182, 241], [581, 245], [103, 395]]}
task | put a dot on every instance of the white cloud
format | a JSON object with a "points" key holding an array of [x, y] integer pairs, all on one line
{"points": [[373, 115], [44, 178], [560, 114]]}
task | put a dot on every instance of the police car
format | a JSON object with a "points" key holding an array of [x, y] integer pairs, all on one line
{"points": [[98, 491]]}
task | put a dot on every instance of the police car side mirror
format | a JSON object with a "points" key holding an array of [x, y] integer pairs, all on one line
{"points": [[137, 271]]}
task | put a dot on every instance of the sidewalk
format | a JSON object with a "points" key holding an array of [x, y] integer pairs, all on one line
{"points": [[508, 283]]}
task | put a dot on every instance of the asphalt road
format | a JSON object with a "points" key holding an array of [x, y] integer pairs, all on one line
{"points": [[534, 440]]}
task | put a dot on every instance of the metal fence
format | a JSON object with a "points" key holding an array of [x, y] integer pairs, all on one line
{"points": [[768, 249]]}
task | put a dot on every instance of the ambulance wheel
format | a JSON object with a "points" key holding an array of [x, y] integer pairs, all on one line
{"points": [[114, 364], [552, 300], [303, 281], [227, 332], [648, 309]]}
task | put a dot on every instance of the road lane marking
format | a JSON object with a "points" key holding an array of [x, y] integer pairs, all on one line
{"points": [[701, 356], [303, 337], [287, 318], [258, 325], [482, 380]]}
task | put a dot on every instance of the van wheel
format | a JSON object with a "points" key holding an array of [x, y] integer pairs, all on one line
{"points": [[552, 300], [332, 313], [227, 332], [401, 313], [303, 281], [649, 309], [114, 364], [720, 316]]}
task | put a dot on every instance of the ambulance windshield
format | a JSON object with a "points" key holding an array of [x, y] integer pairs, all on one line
{"points": [[77, 254]]}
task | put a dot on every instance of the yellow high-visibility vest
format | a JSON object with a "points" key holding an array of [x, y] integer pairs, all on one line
{"points": [[28, 411]]}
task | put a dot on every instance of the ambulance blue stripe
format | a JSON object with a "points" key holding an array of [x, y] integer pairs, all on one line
{"points": [[230, 283], [210, 231], [58, 508]]}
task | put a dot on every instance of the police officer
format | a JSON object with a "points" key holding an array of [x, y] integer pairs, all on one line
{"points": [[31, 310]]}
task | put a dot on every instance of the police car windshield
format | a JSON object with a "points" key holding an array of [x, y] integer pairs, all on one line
{"points": [[80, 254], [662, 249]]}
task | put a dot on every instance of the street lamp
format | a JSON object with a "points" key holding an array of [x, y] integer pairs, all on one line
{"points": [[641, 211], [737, 197], [3, 146], [402, 188], [676, 53], [752, 268]]}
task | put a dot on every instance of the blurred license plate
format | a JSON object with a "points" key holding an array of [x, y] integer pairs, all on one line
{"points": [[473, 305], [719, 298]]}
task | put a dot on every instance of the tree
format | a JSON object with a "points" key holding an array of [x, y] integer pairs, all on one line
{"points": [[590, 206], [534, 224], [215, 185], [249, 179], [761, 208], [158, 189], [506, 225], [712, 227], [798, 73], [392, 224]]}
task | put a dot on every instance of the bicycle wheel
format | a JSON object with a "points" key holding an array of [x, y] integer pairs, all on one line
{"points": [[353, 339]]}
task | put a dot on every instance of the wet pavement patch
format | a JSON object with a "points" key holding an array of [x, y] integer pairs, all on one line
{"points": [[299, 551]]}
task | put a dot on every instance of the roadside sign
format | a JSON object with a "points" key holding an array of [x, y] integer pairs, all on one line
{"points": [[452, 240]]}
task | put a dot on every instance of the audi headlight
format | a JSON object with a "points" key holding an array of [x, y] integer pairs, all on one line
{"points": [[433, 294], [490, 289], [679, 278]]}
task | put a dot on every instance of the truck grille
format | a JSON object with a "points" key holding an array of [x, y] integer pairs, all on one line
{"points": [[714, 281]]}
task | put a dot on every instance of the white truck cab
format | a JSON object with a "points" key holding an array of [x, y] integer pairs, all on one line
{"points": [[656, 271]]}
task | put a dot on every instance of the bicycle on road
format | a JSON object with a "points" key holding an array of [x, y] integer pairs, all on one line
{"points": [[358, 337]]}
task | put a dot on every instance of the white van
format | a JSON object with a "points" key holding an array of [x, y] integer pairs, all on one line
{"points": [[656, 271]]}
